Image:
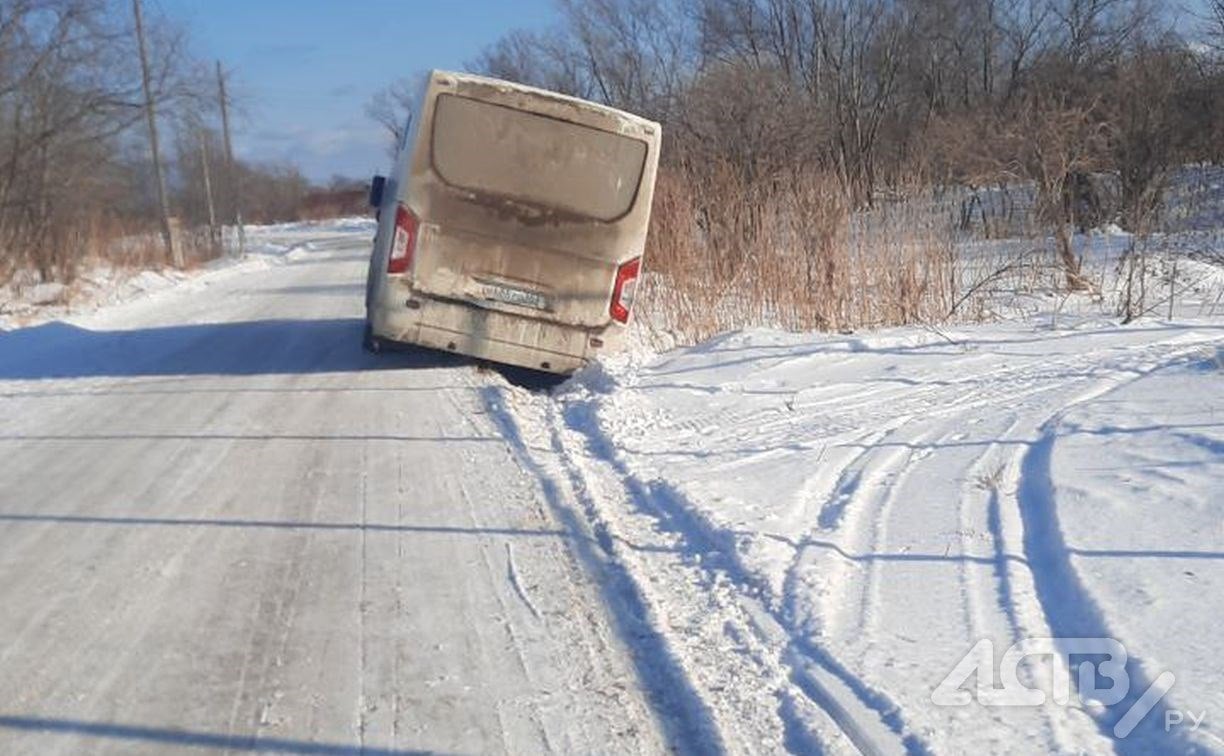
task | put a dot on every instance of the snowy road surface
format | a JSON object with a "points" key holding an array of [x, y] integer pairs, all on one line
{"points": [[224, 526]]}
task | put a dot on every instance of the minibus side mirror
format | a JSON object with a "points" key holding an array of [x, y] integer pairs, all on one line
{"points": [[376, 190]]}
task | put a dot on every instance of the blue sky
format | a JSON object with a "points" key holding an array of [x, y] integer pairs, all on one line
{"points": [[304, 69]]}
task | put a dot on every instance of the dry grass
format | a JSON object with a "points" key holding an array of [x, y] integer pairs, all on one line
{"points": [[137, 247], [70, 250], [791, 253]]}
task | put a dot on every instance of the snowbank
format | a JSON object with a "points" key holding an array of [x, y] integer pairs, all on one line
{"points": [[24, 301], [823, 527]]}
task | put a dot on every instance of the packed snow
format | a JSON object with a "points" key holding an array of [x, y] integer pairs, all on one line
{"points": [[797, 537], [824, 526], [224, 527]]}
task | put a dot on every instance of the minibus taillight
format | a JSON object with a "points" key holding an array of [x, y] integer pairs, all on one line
{"points": [[403, 244], [625, 288]]}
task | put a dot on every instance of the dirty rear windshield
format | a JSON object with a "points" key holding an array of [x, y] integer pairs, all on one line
{"points": [[531, 158]]}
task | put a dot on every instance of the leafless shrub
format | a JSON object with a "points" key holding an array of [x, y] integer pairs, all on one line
{"points": [[728, 253]]}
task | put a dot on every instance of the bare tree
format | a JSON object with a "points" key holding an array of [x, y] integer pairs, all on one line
{"points": [[1043, 139], [635, 51], [549, 60], [1148, 129], [72, 97], [67, 91], [1213, 20], [391, 108]]}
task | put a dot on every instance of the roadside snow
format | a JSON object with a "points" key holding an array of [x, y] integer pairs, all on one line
{"points": [[24, 301], [822, 527]]}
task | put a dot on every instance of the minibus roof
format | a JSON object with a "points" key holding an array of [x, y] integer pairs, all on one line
{"points": [[647, 125]]}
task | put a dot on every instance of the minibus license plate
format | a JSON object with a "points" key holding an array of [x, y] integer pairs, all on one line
{"points": [[513, 296]]}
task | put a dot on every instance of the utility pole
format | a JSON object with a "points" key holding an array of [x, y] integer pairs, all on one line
{"points": [[173, 255], [208, 194], [235, 185]]}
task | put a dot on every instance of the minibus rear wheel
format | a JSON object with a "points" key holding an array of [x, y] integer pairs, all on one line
{"points": [[370, 342]]}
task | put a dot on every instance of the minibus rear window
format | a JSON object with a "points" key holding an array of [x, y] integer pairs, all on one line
{"points": [[532, 158]]}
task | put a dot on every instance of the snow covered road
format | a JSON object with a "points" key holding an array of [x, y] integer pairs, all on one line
{"points": [[224, 526]]}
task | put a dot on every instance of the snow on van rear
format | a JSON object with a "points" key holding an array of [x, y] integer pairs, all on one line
{"points": [[825, 526]]}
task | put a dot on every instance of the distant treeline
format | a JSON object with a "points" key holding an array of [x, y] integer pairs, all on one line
{"points": [[834, 108], [75, 167], [877, 91]]}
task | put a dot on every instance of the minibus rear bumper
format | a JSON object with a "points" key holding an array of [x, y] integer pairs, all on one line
{"points": [[491, 334]]}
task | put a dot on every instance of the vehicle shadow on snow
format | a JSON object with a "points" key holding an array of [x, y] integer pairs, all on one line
{"points": [[258, 347], [526, 378]]}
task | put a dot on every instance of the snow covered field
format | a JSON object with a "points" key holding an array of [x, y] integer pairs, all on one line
{"points": [[766, 542], [823, 527]]}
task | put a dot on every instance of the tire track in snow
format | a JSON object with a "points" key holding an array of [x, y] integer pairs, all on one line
{"points": [[1068, 606], [830, 682], [813, 551], [849, 485], [1135, 362], [985, 476], [1028, 391], [895, 464], [849, 481], [1027, 383], [868, 619], [684, 716]]}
